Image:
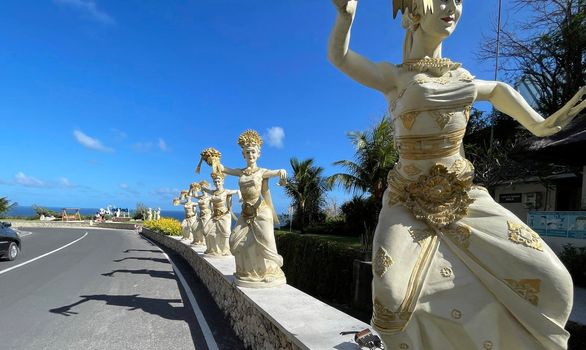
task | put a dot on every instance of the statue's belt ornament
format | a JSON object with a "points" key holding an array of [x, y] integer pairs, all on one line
{"points": [[438, 198]]}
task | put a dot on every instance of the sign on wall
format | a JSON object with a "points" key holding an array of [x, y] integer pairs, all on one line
{"points": [[570, 224], [510, 198]]}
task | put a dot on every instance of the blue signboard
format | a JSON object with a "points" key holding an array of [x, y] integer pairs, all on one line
{"points": [[570, 224]]}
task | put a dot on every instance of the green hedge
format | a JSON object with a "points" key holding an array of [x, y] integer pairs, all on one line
{"points": [[317, 266]]}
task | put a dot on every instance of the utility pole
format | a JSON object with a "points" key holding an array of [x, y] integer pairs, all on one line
{"points": [[496, 66]]}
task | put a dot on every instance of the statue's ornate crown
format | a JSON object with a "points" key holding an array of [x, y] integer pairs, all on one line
{"points": [[250, 138], [204, 183], [209, 153], [404, 5], [217, 175]]}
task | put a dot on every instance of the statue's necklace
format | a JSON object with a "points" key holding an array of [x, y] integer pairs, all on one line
{"points": [[433, 66], [250, 171]]}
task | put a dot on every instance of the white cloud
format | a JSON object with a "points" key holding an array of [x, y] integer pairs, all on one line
{"points": [[90, 142], [163, 145], [166, 193], [89, 9], [142, 146], [64, 182], [148, 146], [28, 181], [129, 189], [275, 136], [121, 135]]}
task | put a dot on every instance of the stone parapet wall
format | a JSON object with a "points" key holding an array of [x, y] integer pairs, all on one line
{"points": [[274, 318], [69, 224]]}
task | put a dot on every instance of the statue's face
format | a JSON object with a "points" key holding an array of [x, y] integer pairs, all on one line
{"points": [[219, 182], [251, 154], [442, 22]]}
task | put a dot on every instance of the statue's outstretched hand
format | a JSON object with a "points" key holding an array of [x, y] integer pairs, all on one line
{"points": [[346, 7], [282, 177], [563, 116]]}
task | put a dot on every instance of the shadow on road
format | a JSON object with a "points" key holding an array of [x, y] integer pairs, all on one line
{"points": [[152, 273], [161, 260], [159, 307], [142, 250]]}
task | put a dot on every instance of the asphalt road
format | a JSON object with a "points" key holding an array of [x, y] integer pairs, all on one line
{"points": [[111, 289]]}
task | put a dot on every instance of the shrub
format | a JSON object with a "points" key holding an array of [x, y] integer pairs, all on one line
{"points": [[167, 226], [140, 213], [575, 261], [44, 211], [317, 266]]}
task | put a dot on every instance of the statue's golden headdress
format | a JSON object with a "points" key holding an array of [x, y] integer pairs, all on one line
{"points": [[217, 175], [194, 186], [204, 183], [406, 6], [212, 158], [250, 138]]}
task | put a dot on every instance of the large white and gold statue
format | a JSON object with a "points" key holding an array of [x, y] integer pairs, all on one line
{"points": [[258, 265], [204, 215], [218, 227], [452, 268]]}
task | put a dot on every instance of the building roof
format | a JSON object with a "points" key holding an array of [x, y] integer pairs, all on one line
{"points": [[567, 147]]}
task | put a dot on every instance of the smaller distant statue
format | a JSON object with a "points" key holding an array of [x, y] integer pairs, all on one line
{"points": [[149, 214], [197, 232], [190, 217], [118, 212], [258, 265], [157, 214], [218, 228]]}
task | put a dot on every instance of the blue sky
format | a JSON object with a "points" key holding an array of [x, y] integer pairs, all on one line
{"points": [[110, 102]]}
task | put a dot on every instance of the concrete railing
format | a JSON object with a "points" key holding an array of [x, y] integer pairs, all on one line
{"points": [[273, 318], [69, 224]]}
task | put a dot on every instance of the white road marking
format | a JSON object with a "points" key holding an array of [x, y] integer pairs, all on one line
{"points": [[24, 233], [205, 328], [44, 255]]}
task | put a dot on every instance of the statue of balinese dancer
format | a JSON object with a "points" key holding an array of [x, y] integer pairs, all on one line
{"points": [[452, 268], [258, 265]]}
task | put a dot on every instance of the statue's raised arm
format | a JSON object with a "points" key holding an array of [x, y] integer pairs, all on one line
{"points": [[379, 76], [507, 100]]}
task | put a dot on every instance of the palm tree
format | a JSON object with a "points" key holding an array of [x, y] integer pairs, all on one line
{"points": [[375, 155], [5, 205], [306, 187]]}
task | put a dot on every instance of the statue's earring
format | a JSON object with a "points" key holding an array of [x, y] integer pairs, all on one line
{"points": [[414, 19]]}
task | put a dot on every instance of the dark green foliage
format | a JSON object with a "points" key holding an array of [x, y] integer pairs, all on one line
{"points": [[140, 213], [575, 261], [318, 267], [44, 211], [374, 156], [5, 205], [361, 214], [307, 188]]}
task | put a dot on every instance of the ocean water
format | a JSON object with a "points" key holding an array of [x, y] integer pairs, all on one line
{"points": [[28, 211]]}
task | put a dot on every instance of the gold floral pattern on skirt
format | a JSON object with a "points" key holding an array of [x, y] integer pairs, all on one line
{"points": [[382, 262], [522, 234], [527, 289]]}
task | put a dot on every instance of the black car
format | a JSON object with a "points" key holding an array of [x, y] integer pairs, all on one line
{"points": [[9, 241]]}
